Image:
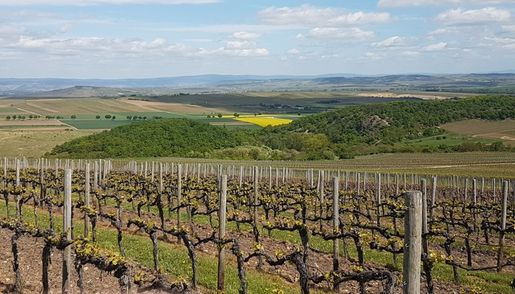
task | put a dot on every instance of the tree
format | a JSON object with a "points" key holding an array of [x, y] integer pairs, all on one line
{"points": [[98, 116], [129, 117], [113, 117], [236, 114], [220, 115], [8, 117], [73, 116], [108, 116]]}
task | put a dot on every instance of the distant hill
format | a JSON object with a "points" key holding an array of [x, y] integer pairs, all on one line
{"points": [[473, 83]]}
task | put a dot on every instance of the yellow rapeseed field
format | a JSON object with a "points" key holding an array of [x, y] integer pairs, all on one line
{"points": [[264, 121]]}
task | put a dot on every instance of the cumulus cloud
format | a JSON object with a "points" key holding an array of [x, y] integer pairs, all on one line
{"points": [[345, 34], [102, 2], [394, 41], [475, 16], [245, 35], [435, 47], [407, 3], [316, 16]]}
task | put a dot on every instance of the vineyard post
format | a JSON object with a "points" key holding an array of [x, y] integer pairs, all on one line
{"points": [[322, 197], [255, 215], [95, 176], [179, 193], [67, 223], [466, 191], [482, 188], [160, 177], [5, 171], [152, 172], [425, 246], [336, 225], [358, 182], [221, 232], [270, 178], [276, 176], [241, 177], [17, 172], [346, 180], [87, 200], [18, 204], [412, 242], [198, 173], [396, 184], [433, 198], [378, 199], [493, 186], [503, 225]]}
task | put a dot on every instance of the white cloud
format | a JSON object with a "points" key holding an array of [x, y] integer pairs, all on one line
{"points": [[293, 51], [476, 16], [394, 41], [508, 43], [407, 3], [245, 35], [102, 2], [326, 17], [410, 53], [435, 47], [350, 34]]}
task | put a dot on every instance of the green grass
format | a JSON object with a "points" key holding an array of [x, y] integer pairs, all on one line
{"points": [[92, 124], [448, 140]]}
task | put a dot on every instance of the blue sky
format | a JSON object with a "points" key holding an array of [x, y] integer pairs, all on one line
{"points": [[153, 38]]}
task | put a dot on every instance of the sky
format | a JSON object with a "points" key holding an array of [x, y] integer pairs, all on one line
{"points": [[158, 38]]}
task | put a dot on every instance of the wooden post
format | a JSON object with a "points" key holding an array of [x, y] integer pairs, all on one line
{"points": [[179, 193], [87, 200], [241, 177], [160, 177], [358, 182], [433, 195], [503, 225], [67, 224], [336, 224], [221, 232], [95, 176], [378, 199], [17, 172], [322, 196], [412, 242]]}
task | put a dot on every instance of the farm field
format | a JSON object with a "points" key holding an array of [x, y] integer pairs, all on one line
{"points": [[497, 130], [264, 121], [85, 111], [35, 142], [280, 221]]}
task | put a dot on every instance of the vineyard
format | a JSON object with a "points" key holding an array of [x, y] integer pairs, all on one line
{"points": [[162, 227]]}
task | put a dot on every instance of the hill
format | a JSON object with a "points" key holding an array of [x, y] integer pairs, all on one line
{"points": [[343, 133], [456, 83], [389, 124], [157, 138]]}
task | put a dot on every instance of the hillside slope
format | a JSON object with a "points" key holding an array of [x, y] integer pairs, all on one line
{"points": [[157, 138], [388, 123]]}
